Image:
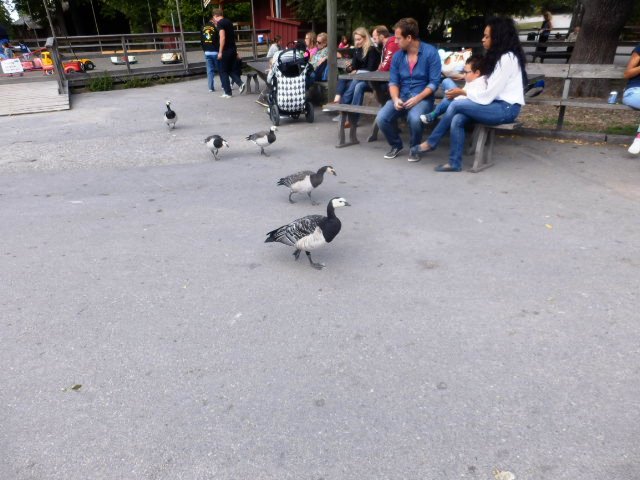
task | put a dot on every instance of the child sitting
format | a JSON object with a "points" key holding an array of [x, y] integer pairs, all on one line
{"points": [[474, 80]]}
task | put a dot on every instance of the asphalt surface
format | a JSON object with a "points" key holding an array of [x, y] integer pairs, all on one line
{"points": [[464, 322]]}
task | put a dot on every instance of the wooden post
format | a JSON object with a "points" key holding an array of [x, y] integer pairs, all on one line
{"points": [[183, 47], [332, 45]]}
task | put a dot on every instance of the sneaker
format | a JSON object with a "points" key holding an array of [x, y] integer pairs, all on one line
{"points": [[336, 118], [243, 87], [224, 95], [211, 90], [414, 157], [635, 146], [393, 153], [428, 118]]}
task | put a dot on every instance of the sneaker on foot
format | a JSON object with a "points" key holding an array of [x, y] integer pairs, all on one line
{"points": [[635, 146], [414, 157], [224, 95], [428, 118], [336, 118], [393, 153], [243, 88]]}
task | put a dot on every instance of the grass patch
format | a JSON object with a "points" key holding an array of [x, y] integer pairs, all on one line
{"points": [[622, 130], [102, 83], [137, 83]]}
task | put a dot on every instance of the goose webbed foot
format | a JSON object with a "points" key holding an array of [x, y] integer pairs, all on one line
{"points": [[317, 266], [313, 202], [262, 152], [296, 254]]}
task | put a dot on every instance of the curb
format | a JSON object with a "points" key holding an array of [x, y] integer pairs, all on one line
{"points": [[592, 137]]}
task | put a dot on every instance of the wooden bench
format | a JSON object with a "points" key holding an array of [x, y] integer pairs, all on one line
{"points": [[543, 55], [252, 76], [347, 112], [575, 71]]}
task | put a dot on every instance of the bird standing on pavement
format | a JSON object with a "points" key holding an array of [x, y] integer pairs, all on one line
{"points": [[264, 139], [310, 232], [305, 181], [215, 143], [170, 117]]}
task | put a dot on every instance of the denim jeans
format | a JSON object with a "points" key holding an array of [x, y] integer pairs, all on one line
{"points": [[388, 116], [226, 64], [354, 95], [464, 111], [631, 97], [212, 68], [447, 84]]}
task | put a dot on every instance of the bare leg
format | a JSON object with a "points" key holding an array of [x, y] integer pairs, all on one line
{"points": [[262, 152], [296, 254], [291, 201], [312, 201]]}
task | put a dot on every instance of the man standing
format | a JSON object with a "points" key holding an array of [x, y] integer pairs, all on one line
{"points": [[210, 42], [414, 78], [227, 55]]}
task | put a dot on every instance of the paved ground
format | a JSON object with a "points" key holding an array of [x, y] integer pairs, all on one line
{"points": [[464, 322]]}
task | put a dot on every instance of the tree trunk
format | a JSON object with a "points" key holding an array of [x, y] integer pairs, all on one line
{"points": [[598, 39]]}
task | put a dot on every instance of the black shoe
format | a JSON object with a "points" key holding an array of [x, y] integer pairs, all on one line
{"points": [[393, 153]]}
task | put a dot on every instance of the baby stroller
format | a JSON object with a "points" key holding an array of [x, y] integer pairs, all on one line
{"points": [[288, 81]]}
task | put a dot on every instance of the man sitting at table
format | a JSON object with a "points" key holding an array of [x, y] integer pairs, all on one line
{"points": [[414, 78]]}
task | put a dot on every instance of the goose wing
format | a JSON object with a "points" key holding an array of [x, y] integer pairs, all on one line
{"points": [[294, 178], [255, 136], [289, 234]]}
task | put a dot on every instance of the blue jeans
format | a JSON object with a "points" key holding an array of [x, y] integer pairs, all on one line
{"points": [[212, 68], [462, 112], [631, 97], [354, 95], [447, 84], [388, 116]]}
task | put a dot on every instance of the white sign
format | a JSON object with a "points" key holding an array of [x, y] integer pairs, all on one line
{"points": [[12, 65]]}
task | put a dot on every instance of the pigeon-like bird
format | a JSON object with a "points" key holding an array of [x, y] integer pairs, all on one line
{"points": [[264, 139], [310, 232], [170, 117], [305, 181], [215, 143]]}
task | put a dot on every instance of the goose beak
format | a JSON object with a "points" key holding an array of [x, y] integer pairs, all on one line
{"points": [[347, 204]]}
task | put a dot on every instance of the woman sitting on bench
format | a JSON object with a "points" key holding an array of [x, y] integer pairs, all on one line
{"points": [[631, 95], [504, 66]]}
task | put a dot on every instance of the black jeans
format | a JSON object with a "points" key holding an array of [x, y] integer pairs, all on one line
{"points": [[226, 65]]}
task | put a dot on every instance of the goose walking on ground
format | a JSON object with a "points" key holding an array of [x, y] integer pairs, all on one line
{"points": [[215, 143], [310, 232], [305, 181], [170, 116], [264, 139]]}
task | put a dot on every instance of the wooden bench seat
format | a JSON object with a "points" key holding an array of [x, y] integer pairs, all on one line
{"points": [[347, 111], [480, 143], [568, 73]]}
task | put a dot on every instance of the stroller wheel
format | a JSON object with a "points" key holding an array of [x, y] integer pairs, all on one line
{"points": [[274, 115], [308, 111]]}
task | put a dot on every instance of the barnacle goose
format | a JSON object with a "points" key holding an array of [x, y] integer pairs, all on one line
{"points": [[264, 139], [215, 142], [310, 232], [170, 117], [306, 181]]}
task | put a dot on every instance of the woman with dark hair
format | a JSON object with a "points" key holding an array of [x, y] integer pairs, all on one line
{"points": [[500, 102]]}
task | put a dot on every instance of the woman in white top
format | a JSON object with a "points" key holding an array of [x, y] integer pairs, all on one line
{"points": [[500, 102]]}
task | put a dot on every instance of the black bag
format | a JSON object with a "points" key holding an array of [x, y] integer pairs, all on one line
{"points": [[531, 37]]}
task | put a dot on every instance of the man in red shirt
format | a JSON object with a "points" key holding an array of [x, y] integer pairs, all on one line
{"points": [[388, 46]]}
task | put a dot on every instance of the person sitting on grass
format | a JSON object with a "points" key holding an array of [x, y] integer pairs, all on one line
{"points": [[474, 81]]}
